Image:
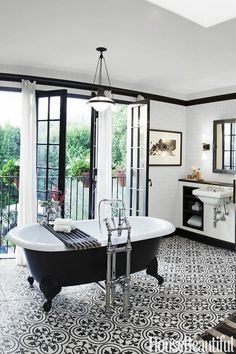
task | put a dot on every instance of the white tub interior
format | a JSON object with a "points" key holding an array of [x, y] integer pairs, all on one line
{"points": [[36, 237]]}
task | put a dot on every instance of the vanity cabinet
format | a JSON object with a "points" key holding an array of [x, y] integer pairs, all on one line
{"points": [[223, 233], [193, 210]]}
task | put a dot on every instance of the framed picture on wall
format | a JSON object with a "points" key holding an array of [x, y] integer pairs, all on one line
{"points": [[165, 148]]}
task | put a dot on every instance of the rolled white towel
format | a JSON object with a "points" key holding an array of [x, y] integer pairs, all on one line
{"points": [[62, 228], [65, 222], [195, 220], [73, 224], [61, 222], [196, 206]]}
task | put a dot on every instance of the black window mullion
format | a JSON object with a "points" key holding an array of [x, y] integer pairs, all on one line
{"points": [[62, 146], [231, 146], [47, 158], [138, 187], [138, 163], [62, 140], [223, 143], [131, 160], [93, 163]]}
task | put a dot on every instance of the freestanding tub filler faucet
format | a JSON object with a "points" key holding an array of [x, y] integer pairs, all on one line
{"points": [[112, 250]]}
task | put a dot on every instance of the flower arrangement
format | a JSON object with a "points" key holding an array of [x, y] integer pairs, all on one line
{"points": [[59, 197], [52, 208], [195, 174]]}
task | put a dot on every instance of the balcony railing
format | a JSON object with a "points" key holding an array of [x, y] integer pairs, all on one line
{"points": [[76, 203], [9, 197]]}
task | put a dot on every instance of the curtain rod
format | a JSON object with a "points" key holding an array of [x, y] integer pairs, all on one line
{"points": [[88, 86]]}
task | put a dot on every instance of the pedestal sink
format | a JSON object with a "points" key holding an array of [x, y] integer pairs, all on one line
{"points": [[214, 196]]}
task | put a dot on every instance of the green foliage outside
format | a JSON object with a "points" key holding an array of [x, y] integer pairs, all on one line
{"points": [[77, 143], [77, 150], [78, 167], [9, 144], [119, 138], [77, 154], [9, 164], [77, 146], [10, 168]]}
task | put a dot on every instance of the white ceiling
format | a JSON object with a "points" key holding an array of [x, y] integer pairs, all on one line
{"points": [[147, 46], [206, 13]]}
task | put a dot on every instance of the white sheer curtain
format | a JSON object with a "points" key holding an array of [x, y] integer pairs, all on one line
{"points": [[104, 151], [27, 190]]}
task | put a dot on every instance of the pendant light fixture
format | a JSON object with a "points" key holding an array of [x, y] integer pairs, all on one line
{"points": [[101, 102]]}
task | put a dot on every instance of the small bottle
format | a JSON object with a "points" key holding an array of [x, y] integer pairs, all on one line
{"points": [[197, 174], [200, 175], [193, 174]]}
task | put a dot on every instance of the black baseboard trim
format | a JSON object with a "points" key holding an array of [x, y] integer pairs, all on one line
{"points": [[205, 239]]}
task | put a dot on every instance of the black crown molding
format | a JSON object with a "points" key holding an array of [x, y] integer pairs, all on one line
{"points": [[116, 90], [211, 99]]}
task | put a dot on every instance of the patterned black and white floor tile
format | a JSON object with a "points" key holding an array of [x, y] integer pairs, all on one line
{"points": [[198, 292]]}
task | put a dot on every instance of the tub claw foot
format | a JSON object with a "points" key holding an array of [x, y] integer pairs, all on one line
{"points": [[160, 279], [50, 287], [30, 280], [152, 270], [47, 305]]}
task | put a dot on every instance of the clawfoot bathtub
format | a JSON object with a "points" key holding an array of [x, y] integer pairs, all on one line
{"points": [[53, 265]]}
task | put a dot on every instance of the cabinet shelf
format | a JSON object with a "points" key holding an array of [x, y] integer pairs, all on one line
{"points": [[193, 227], [188, 201], [191, 197], [195, 212]]}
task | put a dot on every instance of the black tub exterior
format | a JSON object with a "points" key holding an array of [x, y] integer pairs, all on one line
{"points": [[53, 270], [88, 266]]}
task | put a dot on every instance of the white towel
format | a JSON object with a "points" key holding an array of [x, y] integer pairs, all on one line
{"points": [[60, 221], [196, 206], [65, 222], [62, 228], [195, 220], [73, 224]]}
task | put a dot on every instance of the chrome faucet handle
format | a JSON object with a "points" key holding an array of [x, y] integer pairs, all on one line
{"points": [[112, 203]]}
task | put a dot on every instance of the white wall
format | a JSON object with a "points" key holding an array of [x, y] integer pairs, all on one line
{"points": [[199, 128], [164, 191], [196, 124]]}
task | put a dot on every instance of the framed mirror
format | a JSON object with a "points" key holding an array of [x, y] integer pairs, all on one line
{"points": [[224, 146]]}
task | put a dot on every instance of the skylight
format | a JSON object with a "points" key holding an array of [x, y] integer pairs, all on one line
{"points": [[206, 13]]}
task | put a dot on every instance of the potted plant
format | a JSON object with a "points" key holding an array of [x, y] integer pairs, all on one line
{"points": [[81, 168], [10, 171], [121, 175]]}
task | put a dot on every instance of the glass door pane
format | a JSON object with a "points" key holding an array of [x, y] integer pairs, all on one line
{"points": [[137, 158], [78, 159], [51, 134]]}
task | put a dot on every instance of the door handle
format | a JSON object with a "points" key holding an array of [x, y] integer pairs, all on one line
{"points": [[150, 182]]}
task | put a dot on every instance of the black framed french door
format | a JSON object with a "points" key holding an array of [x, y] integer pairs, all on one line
{"points": [[138, 158], [51, 142], [93, 164]]}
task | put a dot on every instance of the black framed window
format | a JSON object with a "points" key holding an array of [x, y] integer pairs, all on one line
{"points": [[51, 137], [137, 159], [229, 139]]}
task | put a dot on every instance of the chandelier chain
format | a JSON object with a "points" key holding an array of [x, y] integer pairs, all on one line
{"points": [[100, 71], [108, 77], [96, 71]]}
